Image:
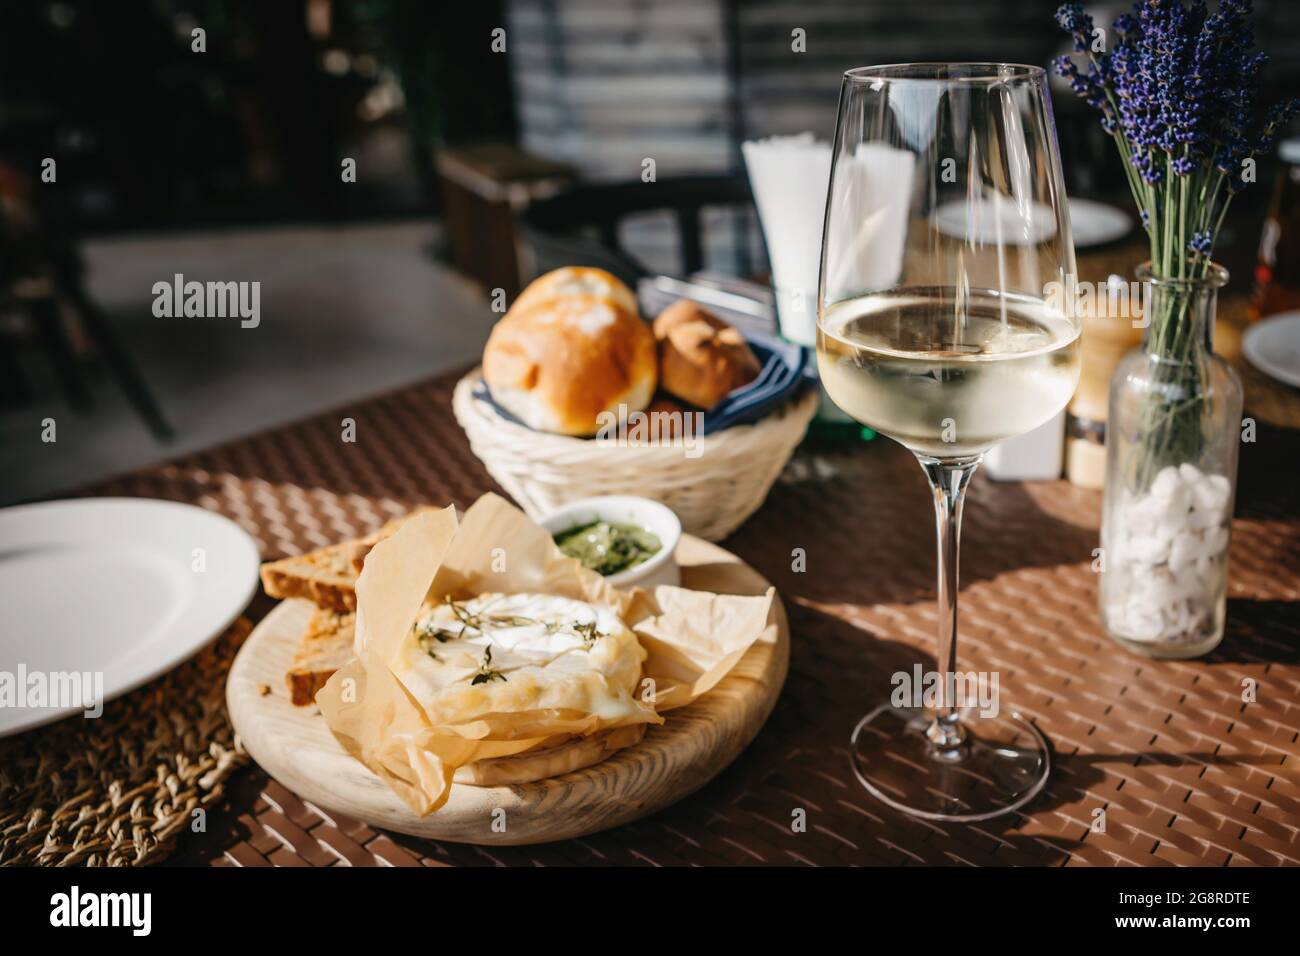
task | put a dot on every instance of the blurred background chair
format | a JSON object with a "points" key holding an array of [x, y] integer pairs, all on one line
{"points": [[583, 226], [43, 292], [485, 189]]}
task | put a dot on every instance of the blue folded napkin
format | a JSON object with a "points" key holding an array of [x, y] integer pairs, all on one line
{"points": [[784, 370]]}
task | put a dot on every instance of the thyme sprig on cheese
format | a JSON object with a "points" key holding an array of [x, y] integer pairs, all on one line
{"points": [[588, 632], [482, 622], [485, 671]]}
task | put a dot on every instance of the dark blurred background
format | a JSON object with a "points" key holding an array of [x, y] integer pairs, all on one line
{"points": [[225, 165], [152, 135]]}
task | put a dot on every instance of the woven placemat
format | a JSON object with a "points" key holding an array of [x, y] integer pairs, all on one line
{"points": [[1155, 763], [121, 789]]}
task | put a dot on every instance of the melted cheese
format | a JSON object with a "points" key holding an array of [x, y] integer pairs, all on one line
{"points": [[508, 654]]}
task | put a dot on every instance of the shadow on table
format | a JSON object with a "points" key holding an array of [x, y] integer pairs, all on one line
{"points": [[1266, 484], [1259, 632], [847, 658], [800, 760], [862, 529], [839, 671], [861, 522]]}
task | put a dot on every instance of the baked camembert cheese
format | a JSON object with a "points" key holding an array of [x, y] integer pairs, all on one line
{"points": [[470, 670], [526, 663]]}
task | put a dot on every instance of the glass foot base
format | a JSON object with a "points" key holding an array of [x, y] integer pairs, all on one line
{"points": [[1001, 765]]}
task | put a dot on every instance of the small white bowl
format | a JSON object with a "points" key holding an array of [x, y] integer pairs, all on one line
{"points": [[658, 519]]}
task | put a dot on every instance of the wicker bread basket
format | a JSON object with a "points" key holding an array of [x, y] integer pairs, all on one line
{"points": [[712, 493]]}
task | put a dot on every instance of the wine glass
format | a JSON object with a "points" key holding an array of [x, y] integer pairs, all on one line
{"points": [[946, 321]]}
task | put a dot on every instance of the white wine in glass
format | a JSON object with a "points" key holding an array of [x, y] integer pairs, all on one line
{"points": [[914, 367], [946, 235]]}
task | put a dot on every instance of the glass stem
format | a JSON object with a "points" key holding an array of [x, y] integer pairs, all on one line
{"points": [[948, 481]]}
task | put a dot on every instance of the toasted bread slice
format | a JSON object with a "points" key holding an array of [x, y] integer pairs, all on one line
{"points": [[328, 576], [326, 645], [325, 577]]}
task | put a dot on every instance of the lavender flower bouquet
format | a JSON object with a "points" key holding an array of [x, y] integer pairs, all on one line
{"points": [[1178, 91], [1179, 94]]}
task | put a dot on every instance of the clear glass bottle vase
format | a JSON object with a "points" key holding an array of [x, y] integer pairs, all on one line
{"points": [[1172, 431]]}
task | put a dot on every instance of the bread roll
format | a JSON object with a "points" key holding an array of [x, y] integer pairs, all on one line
{"points": [[701, 358], [576, 280], [571, 347]]}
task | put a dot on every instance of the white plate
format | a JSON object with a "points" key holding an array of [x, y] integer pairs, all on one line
{"points": [[123, 587], [1093, 223], [1273, 346], [1097, 223], [989, 221]]}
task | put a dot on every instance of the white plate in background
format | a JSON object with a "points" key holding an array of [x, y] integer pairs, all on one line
{"points": [[1093, 223], [1272, 345], [1097, 223], [125, 587]]}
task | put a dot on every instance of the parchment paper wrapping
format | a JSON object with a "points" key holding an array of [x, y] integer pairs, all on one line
{"points": [[692, 639]]}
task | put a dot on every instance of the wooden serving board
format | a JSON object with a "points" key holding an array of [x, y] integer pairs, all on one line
{"points": [[694, 744]]}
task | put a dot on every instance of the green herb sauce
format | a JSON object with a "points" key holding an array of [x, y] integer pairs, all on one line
{"points": [[607, 547]]}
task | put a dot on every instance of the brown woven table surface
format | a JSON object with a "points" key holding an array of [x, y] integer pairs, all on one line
{"points": [[1186, 772]]}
